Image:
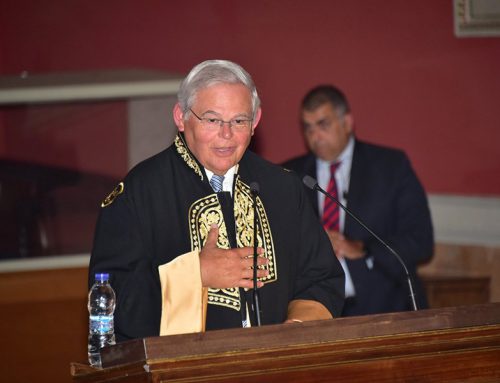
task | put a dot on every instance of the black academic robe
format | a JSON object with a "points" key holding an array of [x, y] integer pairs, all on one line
{"points": [[385, 193], [164, 208]]}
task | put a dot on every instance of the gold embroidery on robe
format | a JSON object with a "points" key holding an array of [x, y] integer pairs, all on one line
{"points": [[202, 215], [207, 211], [181, 148], [115, 193], [244, 220]]}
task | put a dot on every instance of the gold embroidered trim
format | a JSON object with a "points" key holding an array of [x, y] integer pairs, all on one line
{"points": [[207, 211], [203, 213], [186, 155], [229, 298], [115, 193], [244, 220]]}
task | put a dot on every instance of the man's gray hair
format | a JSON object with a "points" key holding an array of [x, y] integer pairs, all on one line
{"points": [[213, 72]]}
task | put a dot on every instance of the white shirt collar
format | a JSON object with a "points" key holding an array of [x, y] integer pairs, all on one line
{"points": [[344, 157], [342, 175]]}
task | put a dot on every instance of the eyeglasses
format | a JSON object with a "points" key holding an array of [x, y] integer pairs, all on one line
{"points": [[212, 123]]}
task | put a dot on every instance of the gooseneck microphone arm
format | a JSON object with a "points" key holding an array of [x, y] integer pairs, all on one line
{"points": [[311, 183], [254, 189]]}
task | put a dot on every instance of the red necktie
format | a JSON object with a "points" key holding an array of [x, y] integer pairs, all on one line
{"points": [[331, 212]]}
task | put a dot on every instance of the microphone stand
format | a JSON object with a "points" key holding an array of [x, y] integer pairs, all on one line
{"points": [[311, 183], [254, 189]]}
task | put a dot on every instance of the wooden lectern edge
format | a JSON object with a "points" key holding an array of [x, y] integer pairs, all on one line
{"points": [[186, 346]]}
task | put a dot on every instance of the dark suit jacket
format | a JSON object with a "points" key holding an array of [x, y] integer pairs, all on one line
{"points": [[385, 193]]}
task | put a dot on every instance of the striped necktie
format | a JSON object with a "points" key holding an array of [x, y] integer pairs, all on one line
{"points": [[331, 212], [216, 183]]}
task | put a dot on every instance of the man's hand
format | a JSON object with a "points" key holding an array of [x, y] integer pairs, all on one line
{"points": [[225, 268], [346, 248]]}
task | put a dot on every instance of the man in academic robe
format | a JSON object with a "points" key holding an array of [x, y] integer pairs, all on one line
{"points": [[177, 235]]}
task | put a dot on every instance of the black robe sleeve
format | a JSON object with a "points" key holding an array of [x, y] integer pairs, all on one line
{"points": [[119, 249]]}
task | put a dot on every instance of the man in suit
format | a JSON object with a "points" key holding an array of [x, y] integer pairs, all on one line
{"points": [[379, 186]]}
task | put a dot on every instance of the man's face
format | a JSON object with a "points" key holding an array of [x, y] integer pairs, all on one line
{"points": [[326, 133], [220, 149]]}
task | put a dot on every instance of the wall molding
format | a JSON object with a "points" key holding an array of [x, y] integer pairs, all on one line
{"points": [[470, 220], [45, 263], [476, 18]]}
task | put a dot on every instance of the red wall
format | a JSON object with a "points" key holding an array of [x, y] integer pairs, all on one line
{"points": [[69, 135], [411, 83], [2, 134]]}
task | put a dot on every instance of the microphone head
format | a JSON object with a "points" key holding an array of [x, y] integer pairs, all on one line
{"points": [[310, 182], [254, 188]]}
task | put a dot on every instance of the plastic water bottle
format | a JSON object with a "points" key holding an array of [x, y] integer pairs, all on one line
{"points": [[101, 305]]}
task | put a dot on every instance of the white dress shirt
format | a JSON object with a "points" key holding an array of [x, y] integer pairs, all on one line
{"points": [[342, 178]]}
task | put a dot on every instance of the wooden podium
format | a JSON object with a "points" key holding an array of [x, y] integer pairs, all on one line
{"points": [[458, 344]]}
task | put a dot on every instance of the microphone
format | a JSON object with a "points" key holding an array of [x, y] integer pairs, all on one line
{"points": [[311, 183], [254, 190]]}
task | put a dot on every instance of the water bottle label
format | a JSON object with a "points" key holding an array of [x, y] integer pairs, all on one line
{"points": [[101, 324]]}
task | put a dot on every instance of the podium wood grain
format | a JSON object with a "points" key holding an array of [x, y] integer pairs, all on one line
{"points": [[458, 344]]}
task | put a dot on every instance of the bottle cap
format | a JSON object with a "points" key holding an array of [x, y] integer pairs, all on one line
{"points": [[102, 277]]}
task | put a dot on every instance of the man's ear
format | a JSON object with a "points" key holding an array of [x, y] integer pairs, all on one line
{"points": [[256, 120], [178, 115], [349, 122]]}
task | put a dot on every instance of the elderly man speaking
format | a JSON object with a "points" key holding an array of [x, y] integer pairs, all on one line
{"points": [[177, 235]]}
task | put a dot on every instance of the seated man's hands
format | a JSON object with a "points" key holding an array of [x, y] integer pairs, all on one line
{"points": [[225, 268], [346, 248]]}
